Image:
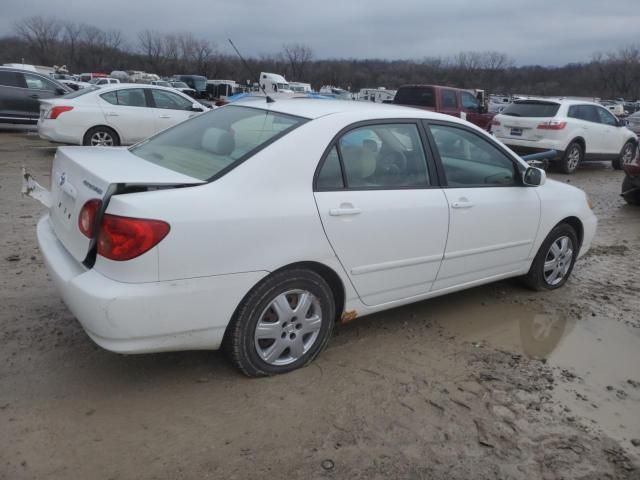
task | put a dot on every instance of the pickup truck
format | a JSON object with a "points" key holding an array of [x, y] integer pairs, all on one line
{"points": [[451, 101]]}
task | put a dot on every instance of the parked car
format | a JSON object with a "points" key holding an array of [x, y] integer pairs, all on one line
{"points": [[259, 225], [73, 85], [184, 88], [578, 130], [120, 114], [633, 123], [196, 82], [451, 101], [617, 108], [100, 82], [161, 83], [20, 92], [631, 182]]}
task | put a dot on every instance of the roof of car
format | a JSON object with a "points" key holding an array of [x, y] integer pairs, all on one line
{"points": [[559, 100], [315, 108]]}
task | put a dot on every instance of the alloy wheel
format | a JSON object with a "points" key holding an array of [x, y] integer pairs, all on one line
{"points": [[288, 327], [101, 139], [558, 260], [628, 154], [573, 158]]}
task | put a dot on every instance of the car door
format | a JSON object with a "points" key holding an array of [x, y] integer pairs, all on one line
{"points": [[449, 102], [169, 108], [12, 98], [611, 134], [127, 111], [382, 211], [471, 109], [493, 219], [39, 88], [583, 119]]}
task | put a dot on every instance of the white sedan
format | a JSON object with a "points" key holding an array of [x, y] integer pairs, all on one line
{"points": [[121, 114], [257, 226]]}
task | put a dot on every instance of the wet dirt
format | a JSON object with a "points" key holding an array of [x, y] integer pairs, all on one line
{"points": [[494, 382]]}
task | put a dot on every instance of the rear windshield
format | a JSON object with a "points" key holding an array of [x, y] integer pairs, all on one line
{"points": [[420, 96], [531, 108], [211, 144], [82, 91]]}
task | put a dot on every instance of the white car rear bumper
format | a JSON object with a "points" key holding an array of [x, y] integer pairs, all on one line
{"points": [[52, 130], [122, 317]]}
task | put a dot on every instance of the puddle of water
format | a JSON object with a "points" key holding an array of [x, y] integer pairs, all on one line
{"points": [[601, 352]]}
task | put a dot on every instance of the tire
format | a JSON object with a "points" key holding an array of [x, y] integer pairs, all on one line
{"points": [[272, 304], [632, 198], [627, 154], [537, 278], [101, 136], [572, 157]]}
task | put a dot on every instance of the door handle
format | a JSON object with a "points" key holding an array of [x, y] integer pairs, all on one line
{"points": [[111, 114], [165, 116], [35, 95], [462, 204], [343, 211]]}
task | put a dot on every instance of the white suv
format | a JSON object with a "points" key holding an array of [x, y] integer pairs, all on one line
{"points": [[577, 130]]}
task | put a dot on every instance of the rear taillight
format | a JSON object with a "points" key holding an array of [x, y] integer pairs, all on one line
{"points": [[87, 217], [552, 125], [124, 238], [55, 112]]}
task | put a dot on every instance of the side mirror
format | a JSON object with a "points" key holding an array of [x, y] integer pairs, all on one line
{"points": [[623, 122], [534, 177], [61, 91], [482, 109], [196, 108]]}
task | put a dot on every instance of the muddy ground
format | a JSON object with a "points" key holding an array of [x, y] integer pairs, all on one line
{"points": [[494, 382]]}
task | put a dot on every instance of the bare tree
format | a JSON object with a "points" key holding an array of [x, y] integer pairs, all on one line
{"points": [[298, 57], [152, 46], [42, 35], [71, 38]]}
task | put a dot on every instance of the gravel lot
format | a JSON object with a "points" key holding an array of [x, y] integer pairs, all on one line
{"points": [[494, 382]]}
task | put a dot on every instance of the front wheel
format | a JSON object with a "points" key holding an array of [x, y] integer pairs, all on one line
{"points": [[554, 261], [627, 154], [283, 323]]}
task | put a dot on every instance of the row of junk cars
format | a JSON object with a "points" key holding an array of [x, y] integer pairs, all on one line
{"points": [[111, 111]]}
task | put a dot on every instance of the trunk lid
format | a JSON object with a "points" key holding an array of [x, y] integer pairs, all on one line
{"points": [[80, 174], [520, 119]]}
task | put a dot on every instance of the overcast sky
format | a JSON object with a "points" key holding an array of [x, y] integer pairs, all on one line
{"points": [[545, 32]]}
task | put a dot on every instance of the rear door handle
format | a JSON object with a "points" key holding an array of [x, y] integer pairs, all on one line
{"points": [[111, 114], [35, 95], [462, 204], [165, 116], [343, 211]]}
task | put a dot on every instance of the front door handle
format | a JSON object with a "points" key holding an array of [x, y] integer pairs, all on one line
{"points": [[343, 211], [462, 204], [165, 116], [35, 95], [111, 114]]}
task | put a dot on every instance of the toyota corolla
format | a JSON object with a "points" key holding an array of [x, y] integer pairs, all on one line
{"points": [[256, 227]]}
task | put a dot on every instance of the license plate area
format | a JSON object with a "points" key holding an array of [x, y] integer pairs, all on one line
{"points": [[516, 132]]}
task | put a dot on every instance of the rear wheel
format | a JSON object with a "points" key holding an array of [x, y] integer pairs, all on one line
{"points": [[633, 197], [554, 261], [572, 157], [101, 137], [627, 154], [282, 325]]}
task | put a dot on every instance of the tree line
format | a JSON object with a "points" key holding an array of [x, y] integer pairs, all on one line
{"points": [[86, 48]]}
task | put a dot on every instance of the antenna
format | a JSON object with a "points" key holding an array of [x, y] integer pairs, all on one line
{"points": [[251, 72]]}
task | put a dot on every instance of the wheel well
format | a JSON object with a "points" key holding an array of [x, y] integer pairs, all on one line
{"points": [[103, 126], [580, 141], [329, 276], [576, 224]]}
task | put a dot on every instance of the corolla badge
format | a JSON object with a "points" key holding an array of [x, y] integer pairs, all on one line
{"points": [[62, 179]]}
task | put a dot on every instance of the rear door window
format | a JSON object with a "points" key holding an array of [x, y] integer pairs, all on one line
{"points": [[130, 97], [584, 112], [449, 99], [531, 109], [11, 79], [38, 83], [330, 175]]}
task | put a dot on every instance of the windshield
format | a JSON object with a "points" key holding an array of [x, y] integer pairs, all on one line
{"points": [[179, 84], [163, 84], [209, 145], [531, 108], [82, 91], [200, 83]]}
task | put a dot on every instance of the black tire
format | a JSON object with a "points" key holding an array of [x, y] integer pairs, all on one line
{"points": [[617, 163], [105, 133], [568, 163], [535, 278], [632, 198], [240, 343]]}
